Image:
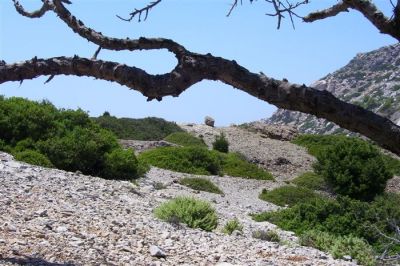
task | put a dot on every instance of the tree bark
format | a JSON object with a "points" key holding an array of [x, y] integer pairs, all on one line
{"points": [[193, 68]]}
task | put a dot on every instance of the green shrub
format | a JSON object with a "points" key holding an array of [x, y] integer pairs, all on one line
{"points": [[232, 225], [150, 128], [316, 144], [121, 164], [201, 184], [311, 181], [221, 144], [340, 246], [392, 164], [343, 216], [271, 236], [185, 139], [354, 168], [81, 149], [195, 213], [192, 160], [235, 165], [33, 157], [288, 195]]}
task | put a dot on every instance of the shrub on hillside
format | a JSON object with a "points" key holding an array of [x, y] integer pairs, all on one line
{"points": [[271, 236], [288, 195], [185, 139], [354, 168], [200, 184], [21, 119], [339, 246], [150, 128], [311, 181], [33, 157], [232, 225], [121, 164], [81, 149], [236, 165], [192, 160], [221, 144], [343, 216], [195, 213]]}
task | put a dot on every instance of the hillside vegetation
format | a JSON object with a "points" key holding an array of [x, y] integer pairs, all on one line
{"points": [[150, 128], [39, 133]]}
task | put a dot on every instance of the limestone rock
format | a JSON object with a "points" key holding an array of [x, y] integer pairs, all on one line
{"points": [[209, 121]]}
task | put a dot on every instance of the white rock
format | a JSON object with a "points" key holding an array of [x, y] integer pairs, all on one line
{"points": [[157, 252]]}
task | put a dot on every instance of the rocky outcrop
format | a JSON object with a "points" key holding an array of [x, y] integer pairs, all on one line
{"points": [[142, 145], [279, 132], [371, 80]]}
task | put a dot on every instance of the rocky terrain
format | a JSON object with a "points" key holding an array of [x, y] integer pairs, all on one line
{"points": [[371, 80], [53, 217]]}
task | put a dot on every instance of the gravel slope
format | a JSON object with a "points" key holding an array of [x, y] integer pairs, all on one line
{"points": [[52, 217]]}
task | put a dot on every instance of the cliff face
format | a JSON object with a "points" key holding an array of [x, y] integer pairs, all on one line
{"points": [[371, 80]]}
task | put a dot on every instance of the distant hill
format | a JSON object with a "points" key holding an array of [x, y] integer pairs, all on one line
{"points": [[371, 80], [149, 128]]}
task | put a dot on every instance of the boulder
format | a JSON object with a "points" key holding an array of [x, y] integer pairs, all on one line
{"points": [[209, 121]]}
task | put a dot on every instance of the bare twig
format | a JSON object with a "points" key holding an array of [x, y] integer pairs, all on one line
{"points": [[139, 12], [96, 53]]}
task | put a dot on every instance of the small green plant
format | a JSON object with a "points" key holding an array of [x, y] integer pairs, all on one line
{"points": [[235, 165], [232, 225], [159, 186], [185, 139], [200, 184], [311, 181], [271, 236], [193, 212], [288, 195], [221, 144], [340, 246], [33, 157]]}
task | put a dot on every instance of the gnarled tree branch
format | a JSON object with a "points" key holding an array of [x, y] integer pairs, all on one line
{"points": [[193, 68], [196, 67]]}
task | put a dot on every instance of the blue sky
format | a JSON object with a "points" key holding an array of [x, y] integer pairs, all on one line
{"points": [[248, 36]]}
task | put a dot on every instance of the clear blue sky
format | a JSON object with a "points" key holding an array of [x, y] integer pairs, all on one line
{"points": [[249, 36]]}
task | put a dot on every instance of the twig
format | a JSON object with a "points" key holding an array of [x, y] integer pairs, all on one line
{"points": [[139, 12]]}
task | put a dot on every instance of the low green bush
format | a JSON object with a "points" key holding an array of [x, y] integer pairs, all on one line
{"points": [[193, 212], [232, 225], [343, 216], [200, 184], [33, 157], [121, 164], [235, 165], [271, 236], [288, 195], [192, 160], [221, 144], [353, 168], [80, 149], [311, 181], [185, 139], [339, 246]]}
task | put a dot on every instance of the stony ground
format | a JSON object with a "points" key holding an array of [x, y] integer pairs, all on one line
{"points": [[52, 217], [282, 158]]}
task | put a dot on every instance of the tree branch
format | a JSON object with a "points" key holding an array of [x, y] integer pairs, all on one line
{"points": [[195, 67], [34, 14], [369, 11], [138, 12], [329, 12]]}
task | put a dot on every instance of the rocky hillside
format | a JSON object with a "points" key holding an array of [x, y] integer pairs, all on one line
{"points": [[371, 80], [55, 217]]}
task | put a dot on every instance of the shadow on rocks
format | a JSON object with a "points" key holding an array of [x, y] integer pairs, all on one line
{"points": [[31, 261]]}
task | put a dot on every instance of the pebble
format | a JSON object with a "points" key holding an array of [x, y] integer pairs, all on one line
{"points": [[156, 252]]}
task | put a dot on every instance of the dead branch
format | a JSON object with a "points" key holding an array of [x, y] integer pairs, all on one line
{"points": [[138, 12]]}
